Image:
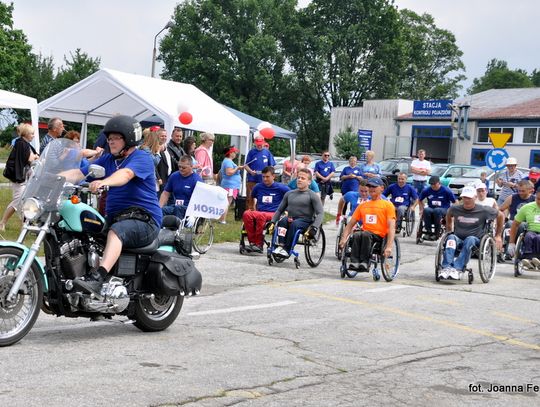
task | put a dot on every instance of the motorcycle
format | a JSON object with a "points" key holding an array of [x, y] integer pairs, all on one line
{"points": [[148, 284]]}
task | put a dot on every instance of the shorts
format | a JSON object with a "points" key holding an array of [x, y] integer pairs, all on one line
{"points": [[135, 233], [209, 181], [17, 191], [231, 192]]}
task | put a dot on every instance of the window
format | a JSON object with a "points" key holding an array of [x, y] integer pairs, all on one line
{"points": [[483, 133], [530, 135], [534, 160], [432, 131], [478, 156]]}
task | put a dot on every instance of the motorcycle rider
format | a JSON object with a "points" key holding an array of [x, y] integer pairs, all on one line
{"points": [[133, 210]]}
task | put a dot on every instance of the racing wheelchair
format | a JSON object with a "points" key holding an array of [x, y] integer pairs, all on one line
{"points": [[313, 248], [389, 265], [521, 262], [485, 253]]}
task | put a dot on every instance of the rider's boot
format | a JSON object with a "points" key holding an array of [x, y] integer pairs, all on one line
{"points": [[93, 281]]}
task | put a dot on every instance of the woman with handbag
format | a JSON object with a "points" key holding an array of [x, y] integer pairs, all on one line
{"points": [[17, 167]]}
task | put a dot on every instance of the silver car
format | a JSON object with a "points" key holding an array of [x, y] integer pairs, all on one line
{"points": [[471, 176]]}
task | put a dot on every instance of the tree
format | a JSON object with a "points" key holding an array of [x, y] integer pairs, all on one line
{"points": [[432, 59], [346, 143], [77, 68], [499, 76], [39, 74], [535, 78], [14, 51]]}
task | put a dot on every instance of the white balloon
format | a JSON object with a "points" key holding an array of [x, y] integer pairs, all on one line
{"points": [[263, 125], [257, 134]]}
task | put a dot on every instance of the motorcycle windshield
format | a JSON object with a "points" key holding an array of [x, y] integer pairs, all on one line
{"points": [[47, 179]]}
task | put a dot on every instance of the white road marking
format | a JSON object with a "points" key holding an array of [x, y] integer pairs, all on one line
{"points": [[389, 288], [244, 308]]}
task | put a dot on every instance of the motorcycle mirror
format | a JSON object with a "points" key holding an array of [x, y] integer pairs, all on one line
{"points": [[96, 171]]}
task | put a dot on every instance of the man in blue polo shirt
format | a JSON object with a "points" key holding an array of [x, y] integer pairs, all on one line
{"points": [[439, 199], [324, 170], [267, 196], [402, 195], [256, 159], [181, 185]]}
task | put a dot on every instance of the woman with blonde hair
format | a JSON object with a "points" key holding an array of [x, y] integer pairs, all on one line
{"points": [[203, 155], [370, 169], [17, 167]]}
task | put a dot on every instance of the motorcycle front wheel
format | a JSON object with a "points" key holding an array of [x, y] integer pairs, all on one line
{"points": [[18, 317], [156, 313]]}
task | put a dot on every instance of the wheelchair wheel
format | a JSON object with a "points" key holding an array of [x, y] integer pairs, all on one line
{"points": [[346, 260], [518, 264], [410, 222], [487, 258], [314, 248], [203, 235], [341, 228], [390, 265], [439, 255], [419, 233]]}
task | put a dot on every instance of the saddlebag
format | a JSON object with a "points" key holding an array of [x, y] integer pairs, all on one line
{"points": [[172, 274]]}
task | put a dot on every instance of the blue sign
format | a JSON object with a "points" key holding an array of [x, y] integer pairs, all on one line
{"points": [[496, 159], [434, 109], [364, 141]]}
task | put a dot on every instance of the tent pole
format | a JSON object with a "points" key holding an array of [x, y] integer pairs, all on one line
{"points": [[84, 131]]}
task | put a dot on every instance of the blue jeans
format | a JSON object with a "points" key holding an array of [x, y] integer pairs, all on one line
{"points": [[432, 218], [177, 210], [464, 246], [419, 186], [292, 227], [401, 210]]}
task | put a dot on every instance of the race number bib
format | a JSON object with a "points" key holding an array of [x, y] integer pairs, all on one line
{"points": [[282, 231], [371, 219], [267, 198], [179, 202], [399, 199], [536, 218], [436, 203], [451, 244]]}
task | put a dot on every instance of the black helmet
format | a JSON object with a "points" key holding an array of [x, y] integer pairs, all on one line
{"points": [[127, 126]]}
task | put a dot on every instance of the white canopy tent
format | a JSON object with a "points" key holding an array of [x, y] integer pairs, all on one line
{"points": [[18, 101], [107, 92]]}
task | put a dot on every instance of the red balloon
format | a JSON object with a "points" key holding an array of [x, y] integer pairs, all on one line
{"points": [[185, 117], [268, 133]]}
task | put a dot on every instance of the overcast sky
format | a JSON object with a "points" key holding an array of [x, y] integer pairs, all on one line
{"points": [[122, 32]]}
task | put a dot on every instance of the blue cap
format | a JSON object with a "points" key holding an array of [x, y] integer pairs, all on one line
{"points": [[375, 182]]}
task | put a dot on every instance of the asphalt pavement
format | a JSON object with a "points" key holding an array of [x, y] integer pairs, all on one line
{"points": [[262, 335]]}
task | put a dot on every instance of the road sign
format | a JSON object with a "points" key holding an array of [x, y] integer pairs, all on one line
{"points": [[499, 140], [496, 159]]}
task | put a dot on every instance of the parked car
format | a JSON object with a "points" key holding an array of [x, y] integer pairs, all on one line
{"points": [[391, 167], [448, 172], [457, 184], [278, 168]]}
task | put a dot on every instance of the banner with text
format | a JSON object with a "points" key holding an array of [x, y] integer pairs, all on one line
{"points": [[364, 141], [437, 109], [207, 201]]}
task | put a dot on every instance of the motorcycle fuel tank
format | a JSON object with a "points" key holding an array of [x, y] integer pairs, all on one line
{"points": [[80, 217]]}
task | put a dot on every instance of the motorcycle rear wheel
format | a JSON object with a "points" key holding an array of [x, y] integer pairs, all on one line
{"points": [[158, 313], [19, 317]]}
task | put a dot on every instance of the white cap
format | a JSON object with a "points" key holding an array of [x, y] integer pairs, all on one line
{"points": [[480, 185], [468, 192], [511, 161]]}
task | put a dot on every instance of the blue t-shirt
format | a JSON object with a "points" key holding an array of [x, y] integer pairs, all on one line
{"points": [[350, 184], [269, 197], [230, 181], [353, 199], [140, 191], [313, 186], [182, 187], [257, 160], [373, 169], [438, 199], [324, 168], [401, 196]]}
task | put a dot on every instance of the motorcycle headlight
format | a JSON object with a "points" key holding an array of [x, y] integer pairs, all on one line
{"points": [[31, 208]]}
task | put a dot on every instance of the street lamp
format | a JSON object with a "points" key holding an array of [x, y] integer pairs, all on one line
{"points": [[170, 24]]}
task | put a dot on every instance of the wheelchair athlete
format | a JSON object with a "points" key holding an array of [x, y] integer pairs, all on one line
{"points": [[403, 196], [378, 218], [530, 253], [439, 199], [305, 213], [468, 222]]}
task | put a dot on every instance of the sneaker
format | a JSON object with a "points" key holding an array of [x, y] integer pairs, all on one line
{"points": [[527, 263], [280, 251], [223, 222], [354, 266], [363, 266], [455, 274], [445, 273], [536, 262], [255, 249]]}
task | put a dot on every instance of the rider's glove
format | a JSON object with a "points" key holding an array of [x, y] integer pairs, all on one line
{"points": [[190, 221], [270, 228], [311, 232], [511, 250], [338, 217]]}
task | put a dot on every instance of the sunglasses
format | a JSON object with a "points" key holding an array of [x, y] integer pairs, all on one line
{"points": [[326, 155]]}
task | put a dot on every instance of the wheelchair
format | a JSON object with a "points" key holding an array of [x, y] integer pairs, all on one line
{"points": [[202, 233], [485, 253], [244, 241], [519, 267], [313, 248], [389, 265], [408, 222], [422, 232]]}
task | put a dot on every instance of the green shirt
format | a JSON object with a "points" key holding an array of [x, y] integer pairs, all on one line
{"points": [[530, 213]]}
